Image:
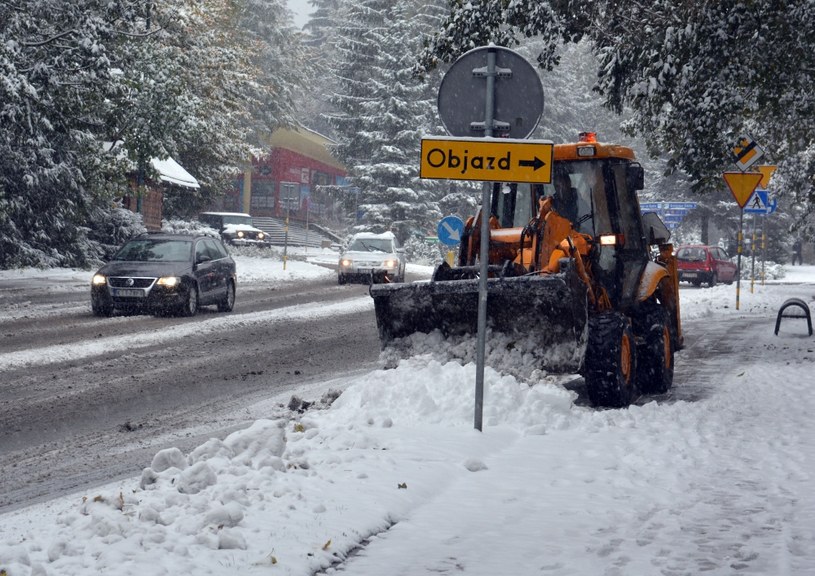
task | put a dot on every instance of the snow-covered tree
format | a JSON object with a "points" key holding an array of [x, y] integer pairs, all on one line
{"points": [[382, 111], [695, 74], [193, 80]]}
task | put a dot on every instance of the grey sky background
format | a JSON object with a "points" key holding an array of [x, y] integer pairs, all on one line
{"points": [[301, 9]]}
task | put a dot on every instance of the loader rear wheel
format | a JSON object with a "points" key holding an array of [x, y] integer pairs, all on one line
{"points": [[655, 354], [611, 362]]}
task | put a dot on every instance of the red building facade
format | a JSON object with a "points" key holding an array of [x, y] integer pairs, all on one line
{"points": [[287, 180]]}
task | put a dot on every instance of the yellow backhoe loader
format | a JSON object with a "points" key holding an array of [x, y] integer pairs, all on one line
{"points": [[573, 265]]}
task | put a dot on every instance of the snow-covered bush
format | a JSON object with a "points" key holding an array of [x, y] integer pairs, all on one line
{"points": [[188, 227], [419, 251], [108, 229]]}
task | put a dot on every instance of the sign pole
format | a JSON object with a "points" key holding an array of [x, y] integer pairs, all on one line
{"points": [[484, 254], [286, 236], [753, 257], [519, 97], [738, 251], [763, 246]]}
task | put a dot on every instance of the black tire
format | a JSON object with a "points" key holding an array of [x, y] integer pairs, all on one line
{"points": [[713, 280], [190, 305], [341, 279], [228, 303], [655, 350], [610, 368], [697, 283], [101, 310]]}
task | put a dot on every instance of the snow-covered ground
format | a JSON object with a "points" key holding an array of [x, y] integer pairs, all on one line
{"points": [[393, 479]]}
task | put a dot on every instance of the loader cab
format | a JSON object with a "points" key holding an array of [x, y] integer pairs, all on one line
{"points": [[598, 195]]}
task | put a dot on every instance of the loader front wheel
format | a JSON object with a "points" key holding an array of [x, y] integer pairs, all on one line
{"points": [[610, 368], [655, 355]]}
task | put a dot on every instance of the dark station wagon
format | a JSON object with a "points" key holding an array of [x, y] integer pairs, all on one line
{"points": [[166, 273]]}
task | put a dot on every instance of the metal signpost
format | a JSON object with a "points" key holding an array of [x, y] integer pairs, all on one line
{"points": [[489, 91], [742, 185], [759, 205]]}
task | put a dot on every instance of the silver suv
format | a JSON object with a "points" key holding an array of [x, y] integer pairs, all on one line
{"points": [[372, 258]]}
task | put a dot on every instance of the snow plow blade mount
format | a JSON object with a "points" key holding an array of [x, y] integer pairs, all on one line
{"points": [[551, 308]]}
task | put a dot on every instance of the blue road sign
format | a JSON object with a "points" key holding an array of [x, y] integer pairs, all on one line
{"points": [[671, 213], [450, 229], [759, 203]]}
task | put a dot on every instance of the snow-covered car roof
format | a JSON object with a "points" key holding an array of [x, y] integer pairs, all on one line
{"points": [[364, 235], [228, 214]]}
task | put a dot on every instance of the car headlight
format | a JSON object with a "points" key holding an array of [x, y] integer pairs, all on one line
{"points": [[169, 281], [261, 235], [345, 262], [99, 280], [240, 234], [389, 263]]}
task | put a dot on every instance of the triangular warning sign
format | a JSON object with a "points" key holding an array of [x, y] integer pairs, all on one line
{"points": [[742, 184]]}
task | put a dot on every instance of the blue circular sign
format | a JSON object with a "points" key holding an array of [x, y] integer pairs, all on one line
{"points": [[450, 230]]}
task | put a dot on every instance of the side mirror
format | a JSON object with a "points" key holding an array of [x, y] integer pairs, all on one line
{"points": [[635, 176], [655, 230], [203, 258]]}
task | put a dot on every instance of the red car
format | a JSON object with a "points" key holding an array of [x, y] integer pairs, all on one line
{"points": [[708, 264]]}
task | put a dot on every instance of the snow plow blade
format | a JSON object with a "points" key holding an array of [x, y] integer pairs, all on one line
{"points": [[550, 308]]}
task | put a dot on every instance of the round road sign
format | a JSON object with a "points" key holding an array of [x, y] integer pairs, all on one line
{"points": [[518, 95]]}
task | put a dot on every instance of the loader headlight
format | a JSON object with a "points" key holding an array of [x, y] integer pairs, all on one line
{"points": [[389, 264], [240, 233], [261, 236], [346, 262], [612, 240]]}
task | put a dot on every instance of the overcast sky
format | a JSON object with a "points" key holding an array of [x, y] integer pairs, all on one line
{"points": [[301, 9]]}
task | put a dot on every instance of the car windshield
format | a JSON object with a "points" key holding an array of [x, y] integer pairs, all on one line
{"points": [[371, 245], [691, 255], [237, 219], [154, 250]]}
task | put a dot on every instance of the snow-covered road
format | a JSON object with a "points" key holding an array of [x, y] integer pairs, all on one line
{"points": [[713, 478]]}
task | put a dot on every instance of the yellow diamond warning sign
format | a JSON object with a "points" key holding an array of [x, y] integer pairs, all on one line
{"points": [[487, 159], [742, 184], [746, 153]]}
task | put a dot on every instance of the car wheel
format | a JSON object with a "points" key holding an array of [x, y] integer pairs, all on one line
{"points": [[341, 279], [190, 305], [100, 309], [696, 283], [228, 303], [714, 279]]}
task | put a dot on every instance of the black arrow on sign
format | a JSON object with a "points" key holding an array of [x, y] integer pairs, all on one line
{"points": [[536, 163]]}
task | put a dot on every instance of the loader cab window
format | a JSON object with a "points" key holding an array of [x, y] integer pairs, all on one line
{"points": [[513, 204], [579, 194], [597, 189]]}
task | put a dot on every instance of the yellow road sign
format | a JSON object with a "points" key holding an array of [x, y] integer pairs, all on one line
{"points": [[742, 184], [746, 153], [766, 173], [487, 159]]}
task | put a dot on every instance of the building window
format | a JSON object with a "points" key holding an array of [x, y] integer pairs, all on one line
{"points": [[263, 194], [290, 195]]}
